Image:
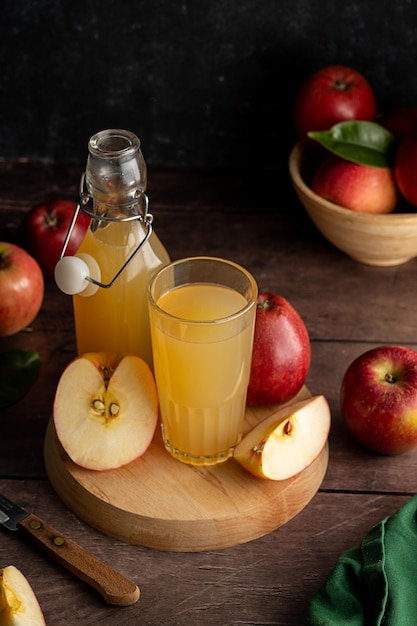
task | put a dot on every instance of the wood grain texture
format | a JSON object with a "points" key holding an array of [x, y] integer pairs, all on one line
{"points": [[348, 308], [115, 588], [382, 240], [267, 581], [161, 503]]}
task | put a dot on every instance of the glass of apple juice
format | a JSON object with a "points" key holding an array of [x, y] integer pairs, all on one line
{"points": [[202, 316]]}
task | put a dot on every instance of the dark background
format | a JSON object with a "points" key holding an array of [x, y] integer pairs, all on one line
{"points": [[203, 83]]}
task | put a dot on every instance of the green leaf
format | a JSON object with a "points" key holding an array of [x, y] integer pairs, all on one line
{"points": [[19, 370], [366, 143]]}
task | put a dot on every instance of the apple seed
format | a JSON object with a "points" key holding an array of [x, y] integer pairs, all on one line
{"points": [[99, 407], [114, 409], [258, 448], [288, 427]]}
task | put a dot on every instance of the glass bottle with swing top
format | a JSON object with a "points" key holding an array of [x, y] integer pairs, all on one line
{"points": [[109, 275]]}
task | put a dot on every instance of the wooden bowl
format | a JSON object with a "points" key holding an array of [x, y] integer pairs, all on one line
{"points": [[382, 240]]}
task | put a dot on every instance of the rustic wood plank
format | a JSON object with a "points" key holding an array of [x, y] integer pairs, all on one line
{"points": [[348, 308], [274, 239], [351, 467], [267, 581], [160, 503]]}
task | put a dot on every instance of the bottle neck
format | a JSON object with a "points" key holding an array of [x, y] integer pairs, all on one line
{"points": [[102, 211], [116, 175]]}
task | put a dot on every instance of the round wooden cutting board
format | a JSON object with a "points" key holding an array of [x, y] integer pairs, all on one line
{"points": [[161, 503]]}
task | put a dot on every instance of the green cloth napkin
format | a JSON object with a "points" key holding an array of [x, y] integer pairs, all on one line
{"points": [[374, 582]]}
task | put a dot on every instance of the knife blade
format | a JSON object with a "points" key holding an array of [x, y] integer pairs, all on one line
{"points": [[113, 586]]}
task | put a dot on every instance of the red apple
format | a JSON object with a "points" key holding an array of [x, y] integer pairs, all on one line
{"points": [[357, 187], [44, 229], [400, 120], [281, 352], [379, 399], [405, 168], [21, 289], [331, 95]]}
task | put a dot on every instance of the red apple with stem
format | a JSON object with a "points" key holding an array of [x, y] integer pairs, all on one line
{"points": [[379, 399], [21, 289], [333, 94], [281, 352], [44, 228], [361, 188]]}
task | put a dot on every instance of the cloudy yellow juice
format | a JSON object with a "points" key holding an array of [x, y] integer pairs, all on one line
{"points": [[117, 318], [202, 369]]}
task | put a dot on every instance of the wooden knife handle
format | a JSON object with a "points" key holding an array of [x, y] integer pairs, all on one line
{"points": [[115, 588]]}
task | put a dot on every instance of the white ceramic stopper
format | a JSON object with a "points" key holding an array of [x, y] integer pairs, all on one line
{"points": [[71, 273]]}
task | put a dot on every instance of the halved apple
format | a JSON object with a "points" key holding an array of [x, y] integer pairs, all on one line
{"points": [[105, 409], [287, 441], [19, 605]]}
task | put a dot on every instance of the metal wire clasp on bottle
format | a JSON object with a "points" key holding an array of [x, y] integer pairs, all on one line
{"points": [[143, 216]]}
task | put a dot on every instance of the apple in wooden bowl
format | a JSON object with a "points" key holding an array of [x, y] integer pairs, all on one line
{"points": [[382, 239]]}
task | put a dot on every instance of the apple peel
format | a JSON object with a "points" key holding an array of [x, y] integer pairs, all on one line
{"points": [[19, 605], [105, 410], [287, 441]]}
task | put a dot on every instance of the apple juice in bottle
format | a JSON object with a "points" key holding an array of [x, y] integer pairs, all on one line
{"points": [[120, 249]]}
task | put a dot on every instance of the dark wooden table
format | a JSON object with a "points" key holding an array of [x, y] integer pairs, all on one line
{"points": [[255, 219]]}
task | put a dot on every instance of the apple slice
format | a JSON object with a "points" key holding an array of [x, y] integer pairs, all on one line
{"points": [[105, 409], [287, 441], [19, 605]]}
